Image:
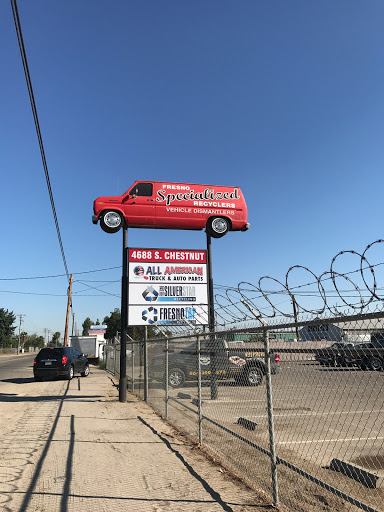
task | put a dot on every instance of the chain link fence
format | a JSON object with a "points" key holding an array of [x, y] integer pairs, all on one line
{"points": [[293, 409]]}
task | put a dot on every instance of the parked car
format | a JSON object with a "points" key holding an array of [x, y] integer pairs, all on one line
{"points": [[58, 362], [371, 356], [246, 365], [159, 204], [336, 354]]}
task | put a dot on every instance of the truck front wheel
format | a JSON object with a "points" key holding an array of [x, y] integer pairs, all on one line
{"points": [[111, 221], [218, 226]]}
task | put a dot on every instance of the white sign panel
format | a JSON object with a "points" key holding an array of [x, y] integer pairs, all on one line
{"points": [[167, 287], [167, 272], [167, 314], [168, 293]]}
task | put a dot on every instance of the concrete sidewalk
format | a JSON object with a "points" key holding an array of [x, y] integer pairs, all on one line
{"points": [[81, 449]]}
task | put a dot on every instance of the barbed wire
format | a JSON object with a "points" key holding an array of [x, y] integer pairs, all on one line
{"points": [[232, 304]]}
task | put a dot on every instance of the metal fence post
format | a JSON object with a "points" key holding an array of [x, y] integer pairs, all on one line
{"points": [[199, 408], [114, 359], [145, 364], [166, 378], [272, 447], [133, 367]]}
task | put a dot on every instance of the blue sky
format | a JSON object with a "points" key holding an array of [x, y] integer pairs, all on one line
{"points": [[284, 99]]}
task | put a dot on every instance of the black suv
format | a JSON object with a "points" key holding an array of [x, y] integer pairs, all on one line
{"points": [[59, 362]]}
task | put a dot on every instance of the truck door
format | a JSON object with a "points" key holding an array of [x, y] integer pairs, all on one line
{"points": [[219, 358], [139, 205]]}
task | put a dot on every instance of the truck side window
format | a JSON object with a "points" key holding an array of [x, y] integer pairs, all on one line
{"points": [[142, 189]]}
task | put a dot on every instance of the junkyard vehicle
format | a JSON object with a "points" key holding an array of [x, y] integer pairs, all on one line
{"points": [[371, 356], [335, 355], [245, 365]]}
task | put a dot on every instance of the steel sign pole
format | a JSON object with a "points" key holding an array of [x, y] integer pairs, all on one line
{"points": [[211, 319], [124, 321]]}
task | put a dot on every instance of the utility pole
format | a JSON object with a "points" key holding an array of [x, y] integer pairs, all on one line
{"points": [[18, 344], [73, 321], [68, 308]]}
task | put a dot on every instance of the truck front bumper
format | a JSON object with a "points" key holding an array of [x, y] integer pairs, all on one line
{"points": [[94, 219]]}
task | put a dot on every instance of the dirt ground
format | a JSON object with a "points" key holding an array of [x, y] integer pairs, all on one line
{"points": [[73, 446]]}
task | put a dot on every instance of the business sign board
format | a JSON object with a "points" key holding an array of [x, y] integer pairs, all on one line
{"points": [[167, 287]]}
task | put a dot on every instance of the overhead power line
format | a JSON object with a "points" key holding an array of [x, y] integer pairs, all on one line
{"points": [[59, 275], [37, 125]]}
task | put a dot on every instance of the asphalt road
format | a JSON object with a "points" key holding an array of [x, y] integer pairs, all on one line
{"points": [[319, 413], [16, 367]]}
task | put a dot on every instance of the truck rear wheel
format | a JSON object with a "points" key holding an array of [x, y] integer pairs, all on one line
{"points": [[253, 376], [111, 221], [376, 364], [218, 226]]}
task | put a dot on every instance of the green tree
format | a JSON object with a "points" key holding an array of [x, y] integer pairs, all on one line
{"points": [[33, 340], [87, 325], [7, 329], [113, 324], [56, 339]]}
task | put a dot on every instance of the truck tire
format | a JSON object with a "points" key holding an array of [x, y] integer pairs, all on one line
{"points": [[376, 364], [176, 378], [218, 226], [85, 373], [111, 221], [253, 376]]}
